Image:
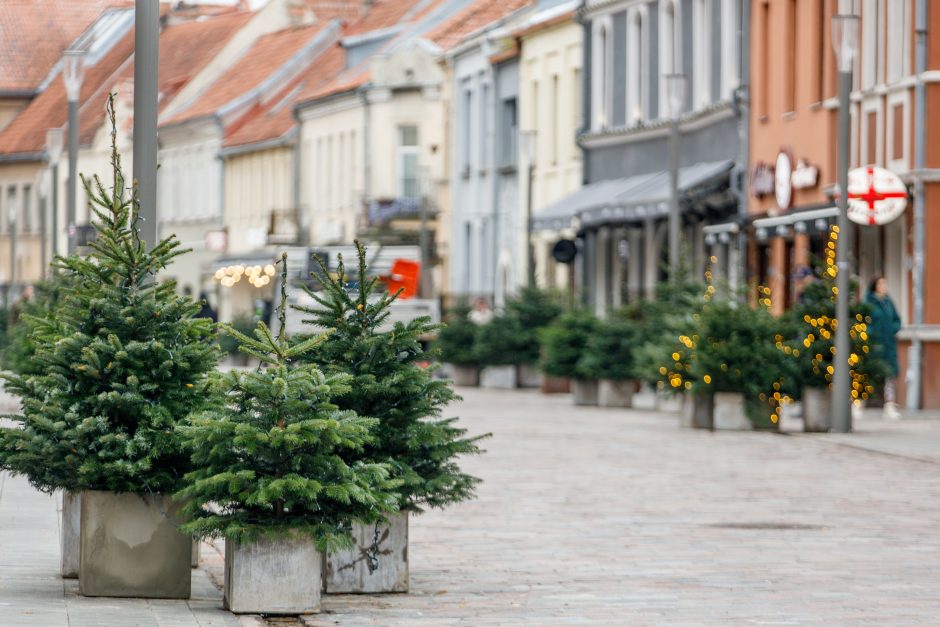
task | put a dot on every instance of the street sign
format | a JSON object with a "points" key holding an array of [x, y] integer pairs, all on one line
{"points": [[876, 196]]}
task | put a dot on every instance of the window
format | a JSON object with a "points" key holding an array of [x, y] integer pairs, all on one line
{"points": [[637, 73], [11, 210], [899, 29], [872, 43], [408, 162], [467, 129], [670, 44], [897, 132], [553, 129], [701, 59], [730, 33], [576, 94], [27, 210], [871, 143], [484, 126], [764, 84], [601, 94], [789, 58], [329, 172], [509, 132], [319, 167]]}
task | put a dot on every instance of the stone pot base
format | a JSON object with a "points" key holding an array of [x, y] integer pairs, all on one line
{"points": [[272, 576], [377, 563]]}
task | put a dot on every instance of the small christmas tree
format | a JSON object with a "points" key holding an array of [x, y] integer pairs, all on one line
{"points": [[564, 344], [121, 362], [456, 339], [389, 384], [269, 457]]}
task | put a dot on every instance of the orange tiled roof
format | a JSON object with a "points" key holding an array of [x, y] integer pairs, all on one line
{"points": [[387, 13], [185, 48], [34, 33], [472, 19], [268, 54]]}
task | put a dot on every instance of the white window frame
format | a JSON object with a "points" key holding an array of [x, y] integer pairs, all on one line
{"points": [[868, 106], [405, 151], [638, 56], [902, 98], [601, 94], [898, 47], [730, 59], [872, 59], [670, 46], [701, 57]]}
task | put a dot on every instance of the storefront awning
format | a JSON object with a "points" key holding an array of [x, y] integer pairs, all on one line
{"points": [[627, 199]]}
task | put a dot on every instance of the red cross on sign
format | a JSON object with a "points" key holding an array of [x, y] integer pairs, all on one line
{"points": [[876, 196]]}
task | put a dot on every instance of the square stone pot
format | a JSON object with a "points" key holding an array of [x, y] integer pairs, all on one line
{"points": [[377, 563], [498, 377], [584, 391], [554, 385], [131, 547], [527, 376], [730, 412], [817, 410], [272, 576], [615, 393], [698, 411], [464, 375], [70, 538]]}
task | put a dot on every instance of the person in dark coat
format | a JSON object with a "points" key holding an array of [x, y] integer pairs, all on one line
{"points": [[884, 327]]}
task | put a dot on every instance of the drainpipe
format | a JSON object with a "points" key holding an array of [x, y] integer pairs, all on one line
{"points": [[743, 97], [915, 356], [586, 73]]}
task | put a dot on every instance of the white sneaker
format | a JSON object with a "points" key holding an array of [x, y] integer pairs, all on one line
{"points": [[891, 411]]}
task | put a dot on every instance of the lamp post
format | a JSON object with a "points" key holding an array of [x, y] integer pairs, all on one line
{"points": [[845, 44], [146, 52], [529, 148], [55, 138], [675, 101], [73, 74]]}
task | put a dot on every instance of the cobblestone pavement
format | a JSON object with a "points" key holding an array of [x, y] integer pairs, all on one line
{"points": [[609, 517]]}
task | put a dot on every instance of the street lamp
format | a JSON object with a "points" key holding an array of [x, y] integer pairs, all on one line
{"points": [[55, 138], [73, 73], [845, 45], [529, 149], [675, 102]]}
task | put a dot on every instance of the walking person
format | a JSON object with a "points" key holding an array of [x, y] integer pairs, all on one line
{"points": [[884, 327]]}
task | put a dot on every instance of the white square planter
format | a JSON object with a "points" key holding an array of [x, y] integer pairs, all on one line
{"points": [[584, 391], [498, 377], [615, 393], [366, 568], [698, 411], [645, 397], [817, 410], [464, 375], [527, 376], [729, 412], [131, 547], [272, 576], [69, 536]]}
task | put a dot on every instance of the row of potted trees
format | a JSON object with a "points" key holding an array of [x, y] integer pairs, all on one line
{"points": [[324, 449]]}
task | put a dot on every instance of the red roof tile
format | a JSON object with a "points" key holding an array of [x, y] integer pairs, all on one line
{"points": [[268, 54], [34, 33], [386, 13], [472, 19]]}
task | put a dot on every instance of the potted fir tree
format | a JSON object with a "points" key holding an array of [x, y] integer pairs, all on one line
{"points": [[564, 344], [270, 475], [391, 383], [533, 309], [502, 345], [609, 357], [121, 363], [455, 342]]}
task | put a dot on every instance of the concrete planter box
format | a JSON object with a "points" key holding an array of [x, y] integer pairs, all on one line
{"points": [[70, 538], [669, 401], [527, 376], [272, 576], [584, 391], [130, 547], [498, 377], [698, 411], [615, 393], [554, 385], [464, 375], [730, 412], [352, 571], [817, 410]]}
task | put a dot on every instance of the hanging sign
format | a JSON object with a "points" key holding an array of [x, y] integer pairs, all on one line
{"points": [[876, 196]]}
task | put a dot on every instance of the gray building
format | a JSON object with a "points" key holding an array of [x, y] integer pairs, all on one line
{"points": [[621, 213]]}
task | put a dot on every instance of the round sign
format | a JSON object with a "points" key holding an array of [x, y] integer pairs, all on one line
{"points": [[783, 183], [876, 196], [564, 251]]}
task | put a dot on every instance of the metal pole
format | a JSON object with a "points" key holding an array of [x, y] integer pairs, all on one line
{"points": [[146, 51], [744, 104], [915, 357], [55, 212], [530, 261], [674, 215], [841, 384], [73, 173]]}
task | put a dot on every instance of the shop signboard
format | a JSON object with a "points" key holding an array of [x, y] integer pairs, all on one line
{"points": [[876, 196]]}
